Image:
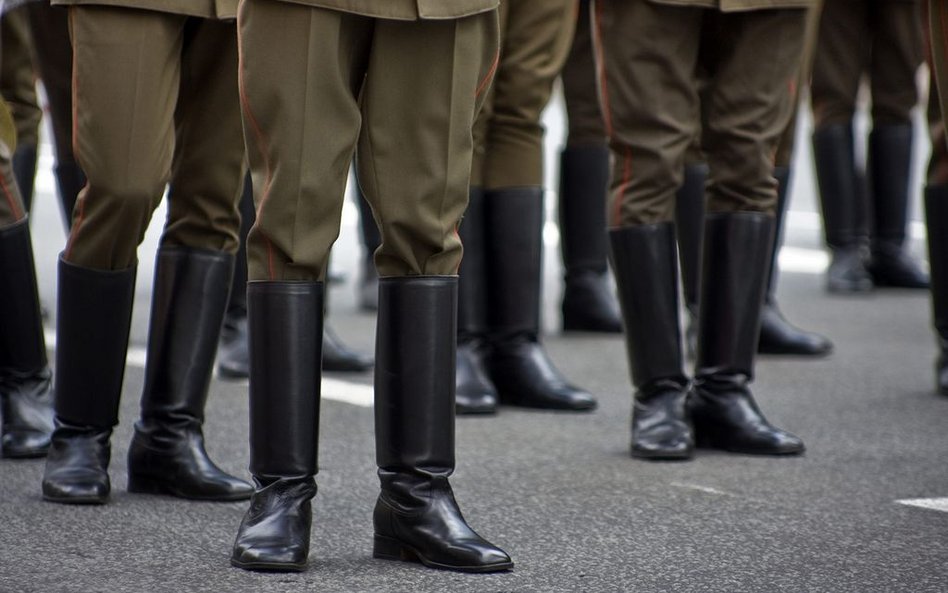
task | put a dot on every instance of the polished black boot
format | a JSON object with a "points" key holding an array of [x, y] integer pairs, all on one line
{"points": [[70, 180], [285, 339], [890, 162], [93, 321], [722, 407], [689, 220], [936, 215], [475, 393], [518, 365], [643, 258], [167, 454], [416, 517], [589, 303], [777, 335], [26, 397], [368, 287], [24, 171], [839, 196]]}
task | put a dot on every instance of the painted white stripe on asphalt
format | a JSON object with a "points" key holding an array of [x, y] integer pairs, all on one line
{"points": [[699, 488], [803, 261], [356, 394], [934, 504]]}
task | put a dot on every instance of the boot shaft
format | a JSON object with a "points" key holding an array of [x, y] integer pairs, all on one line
{"points": [[735, 269], [584, 179], [415, 377], [840, 194], [689, 220], [285, 339], [92, 325], [22, 346], [472, 275], [890, 162], [189, 297], [643, 258], [936, 215], [514, 242]]}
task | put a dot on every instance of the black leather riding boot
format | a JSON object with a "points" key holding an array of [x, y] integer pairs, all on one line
{"points": [[475, 393], [24, 171], [777, 335], [69, 180], [285, 339], [722, 407], [589, 303], [93, 321], [643, 258], [689, 220], [26, 397], [833, 154], [167, 454], [416, 517], [936, 215], [518, 365], [890, 162], [371, 240]]}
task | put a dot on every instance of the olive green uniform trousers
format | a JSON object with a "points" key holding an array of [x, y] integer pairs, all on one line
{"points": [[319, 84], [508, 138], [650, 54], [49, 26], [878, 38], [17, 78], [155, 100]]}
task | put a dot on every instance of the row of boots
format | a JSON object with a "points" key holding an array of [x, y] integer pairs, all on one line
{"points": [[416, 517], [846, 197], [672, 414], [167, 454]]}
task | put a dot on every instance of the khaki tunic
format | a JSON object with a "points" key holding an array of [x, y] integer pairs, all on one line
{"points": [[11, 204], [406, 10]]}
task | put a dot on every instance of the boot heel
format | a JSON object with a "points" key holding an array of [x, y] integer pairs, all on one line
{"points": [[387, 548]]}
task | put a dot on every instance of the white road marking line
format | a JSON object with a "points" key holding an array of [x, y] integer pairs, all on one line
{"points": [[356, 394], [699, 488], [934, 504]]}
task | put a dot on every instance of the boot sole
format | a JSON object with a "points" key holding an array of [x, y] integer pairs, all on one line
{"points": [[140, 485], [710, 444], [268, 566], [77, 500], [657, 456], [386, 548], [29, 454]]}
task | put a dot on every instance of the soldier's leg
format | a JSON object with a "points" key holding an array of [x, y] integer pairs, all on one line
{"points": [[777, 335], [588, 300], [648, 55], [50, 29], [422, 75], [896, 55], [299, 94], [26, 395], [936, 190], [535, 43], [753, 60], [18, 88], [126, 77], [193, 271], [840, 59]]}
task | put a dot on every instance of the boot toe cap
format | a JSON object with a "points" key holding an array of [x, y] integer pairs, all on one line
{"points": [[272, 556], [76, 490]]}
